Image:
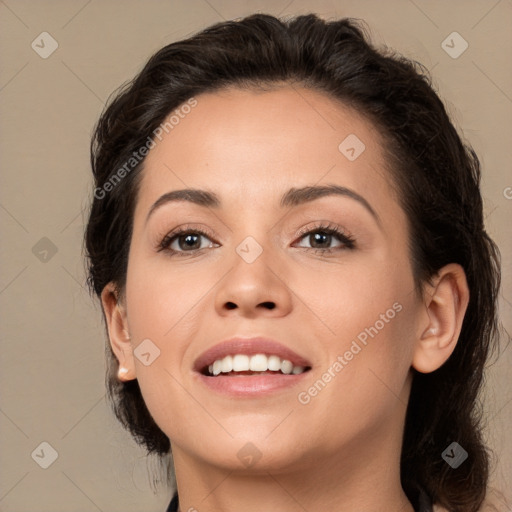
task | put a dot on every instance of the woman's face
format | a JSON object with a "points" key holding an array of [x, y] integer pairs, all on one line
{"points": [[344, 303]]}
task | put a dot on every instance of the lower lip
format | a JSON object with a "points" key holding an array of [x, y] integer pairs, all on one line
{"points": [[251, 385]]}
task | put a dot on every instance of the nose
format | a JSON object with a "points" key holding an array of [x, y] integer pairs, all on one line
{"points": [[255, 289]]}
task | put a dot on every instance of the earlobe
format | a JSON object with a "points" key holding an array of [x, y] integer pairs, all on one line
{"points": [[118, 332], [445, 306]]}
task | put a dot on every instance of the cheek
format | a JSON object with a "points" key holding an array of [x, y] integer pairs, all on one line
{"points": [[369, 363], [165, 306], [371, 318], [367, 293], [159, 294]]}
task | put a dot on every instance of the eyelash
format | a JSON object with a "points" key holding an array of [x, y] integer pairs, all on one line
{"points": [[327, 229]]}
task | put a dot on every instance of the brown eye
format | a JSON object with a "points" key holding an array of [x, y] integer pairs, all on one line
{"points": [[184, 241], [322, 236]]}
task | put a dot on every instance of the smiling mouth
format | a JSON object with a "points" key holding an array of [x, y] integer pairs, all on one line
{"points": [[239, 365]]}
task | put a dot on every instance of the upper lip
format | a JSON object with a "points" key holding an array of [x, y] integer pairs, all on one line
{"points": [[248, 346]]}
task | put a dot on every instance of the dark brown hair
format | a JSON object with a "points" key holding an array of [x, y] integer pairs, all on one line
{"points": [[437, 177]]}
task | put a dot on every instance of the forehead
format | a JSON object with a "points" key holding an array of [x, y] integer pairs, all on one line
{"points": [[250, 143]]}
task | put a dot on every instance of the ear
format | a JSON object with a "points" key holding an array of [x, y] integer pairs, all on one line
{"points": [[117, 325], [446, 301]]}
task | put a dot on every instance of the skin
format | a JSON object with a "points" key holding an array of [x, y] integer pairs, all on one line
{"points": [[341, 450]]}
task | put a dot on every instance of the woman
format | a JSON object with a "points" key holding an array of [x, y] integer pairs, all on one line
{"points": [[322, 344]]}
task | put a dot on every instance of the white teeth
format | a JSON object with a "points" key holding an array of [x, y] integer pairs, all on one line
{"points": [[227, 364], [240, 363], [274, 363], [217, 366], [286, 366], [255, 363], [258, 363]]}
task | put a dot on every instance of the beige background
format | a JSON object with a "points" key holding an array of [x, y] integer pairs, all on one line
{"points": [[52, 352]]}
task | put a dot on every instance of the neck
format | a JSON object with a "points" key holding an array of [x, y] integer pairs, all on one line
{"points": [[365, 478]]}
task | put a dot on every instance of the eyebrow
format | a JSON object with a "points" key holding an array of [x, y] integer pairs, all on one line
{"points": [[293, 197]]}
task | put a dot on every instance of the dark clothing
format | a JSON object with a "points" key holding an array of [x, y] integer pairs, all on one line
{"points": [[173, 506], [420, 501]]}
